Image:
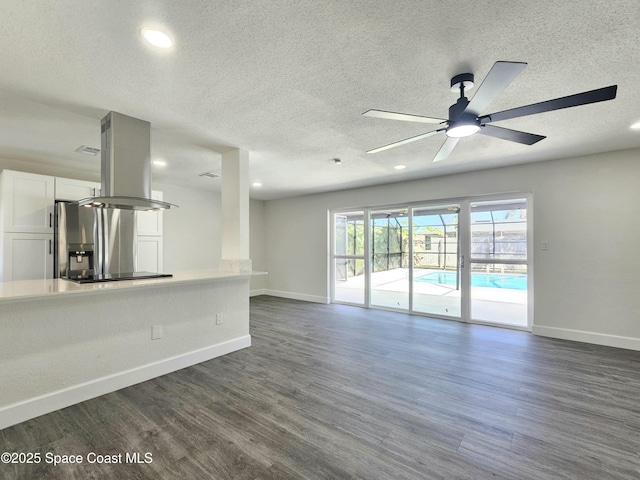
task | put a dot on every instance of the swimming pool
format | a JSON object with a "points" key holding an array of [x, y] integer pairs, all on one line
{"points": [[490, 280]]}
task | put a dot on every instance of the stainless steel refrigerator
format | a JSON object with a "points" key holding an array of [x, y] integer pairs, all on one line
{"points": [[93, 242]]}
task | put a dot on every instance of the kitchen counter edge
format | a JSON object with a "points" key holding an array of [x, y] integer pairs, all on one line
{"points": [[27, 290]]}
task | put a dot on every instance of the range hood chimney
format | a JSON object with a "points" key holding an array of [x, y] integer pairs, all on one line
{"points": [[126, 166]]}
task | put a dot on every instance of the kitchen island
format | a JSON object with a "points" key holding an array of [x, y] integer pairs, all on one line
{"points": [[62, 343]]}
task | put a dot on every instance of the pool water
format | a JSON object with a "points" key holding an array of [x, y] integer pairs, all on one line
{"points": [[490, 280]]}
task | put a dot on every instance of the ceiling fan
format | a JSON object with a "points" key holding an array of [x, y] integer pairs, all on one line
{"points": [[465, 119]]}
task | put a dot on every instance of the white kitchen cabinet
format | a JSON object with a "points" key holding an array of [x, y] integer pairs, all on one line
{"points": [[26, 203], [150, 223], [149, 258], [149, 239], [27, 256], [74, 190]]}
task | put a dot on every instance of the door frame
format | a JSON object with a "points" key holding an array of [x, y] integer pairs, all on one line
{"points": [[459, 251], [333, 256], [528, 196], [464, 253]]}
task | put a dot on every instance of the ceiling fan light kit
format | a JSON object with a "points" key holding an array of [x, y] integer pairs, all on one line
{"points": [[463, 128], [465, 118]]}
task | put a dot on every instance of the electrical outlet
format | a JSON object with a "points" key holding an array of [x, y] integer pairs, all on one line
{"points": [[218, 319], [156, 332]]}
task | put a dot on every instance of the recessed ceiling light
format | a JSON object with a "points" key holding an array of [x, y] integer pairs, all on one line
{"points": [[157, 38], [636, 126], [159, 163], [256, 184], [400, 167]]}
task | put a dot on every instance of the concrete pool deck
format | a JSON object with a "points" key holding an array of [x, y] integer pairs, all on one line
{"points": [[501, 306]]}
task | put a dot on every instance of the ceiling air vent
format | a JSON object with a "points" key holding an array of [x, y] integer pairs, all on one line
{"points": [[88, 150], [209, 175]]}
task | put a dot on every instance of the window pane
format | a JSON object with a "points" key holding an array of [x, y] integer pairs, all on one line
{"points": [[349, 233], [499, 230], [499, 293], [349, 280], [341, 234], [436, 285], [390, 258]]}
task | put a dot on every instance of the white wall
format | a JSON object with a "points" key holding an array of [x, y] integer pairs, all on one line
{"points": [[192, 231], [88, 174], [257, 245], [582, 289], [192, 238]]}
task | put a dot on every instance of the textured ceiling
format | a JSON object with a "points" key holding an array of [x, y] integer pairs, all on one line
{"points": [[289, 80]]}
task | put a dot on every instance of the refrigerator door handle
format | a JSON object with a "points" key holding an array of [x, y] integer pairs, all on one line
{"points": [[50, 220], [50, 246]]}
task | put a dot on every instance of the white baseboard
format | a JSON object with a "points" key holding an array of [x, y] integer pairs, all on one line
{"points": [[617, 341], [256, 292], [298, 296], [50, 402]]}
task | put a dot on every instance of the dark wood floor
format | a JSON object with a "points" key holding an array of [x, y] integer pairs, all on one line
{"points": [[338, 392]]}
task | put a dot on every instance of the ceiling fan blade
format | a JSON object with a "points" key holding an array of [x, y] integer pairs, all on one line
{"points": [[406, 117], [511, 135], [406, 140], [584, 98], [446, 148], [498, 78]]}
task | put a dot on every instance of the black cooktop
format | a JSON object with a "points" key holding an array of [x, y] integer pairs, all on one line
{"points": [[114, 277]]}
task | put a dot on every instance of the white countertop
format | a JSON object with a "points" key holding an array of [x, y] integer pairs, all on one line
{"points": [[34, 289]]}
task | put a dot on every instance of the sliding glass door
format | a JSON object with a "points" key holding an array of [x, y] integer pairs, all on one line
{"points": [[348, 263], [436, 260], [389, 247], [499, 262], [468, 259]]}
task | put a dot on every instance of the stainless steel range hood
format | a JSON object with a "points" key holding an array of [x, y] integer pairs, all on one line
{"points": [[126, 166]]}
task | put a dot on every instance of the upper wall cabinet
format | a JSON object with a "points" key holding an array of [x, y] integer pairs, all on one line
{"points": [[150, 223], [74, 190], [27, 201]]}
